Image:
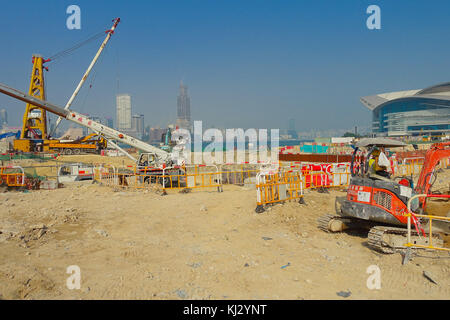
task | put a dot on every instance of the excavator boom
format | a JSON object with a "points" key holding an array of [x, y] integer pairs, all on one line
{"points": [[437, 152]]}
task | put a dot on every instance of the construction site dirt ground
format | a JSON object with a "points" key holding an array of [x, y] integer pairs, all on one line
{"points": [[200, 245]]}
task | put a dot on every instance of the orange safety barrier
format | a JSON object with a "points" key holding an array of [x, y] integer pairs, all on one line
{"points": [[325, 175], [9, 176]]}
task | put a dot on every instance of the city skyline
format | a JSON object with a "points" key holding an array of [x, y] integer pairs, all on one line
{"points": [[255, 67]]}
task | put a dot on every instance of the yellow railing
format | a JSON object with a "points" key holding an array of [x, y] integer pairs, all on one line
{"points": [[12, 179], [289, 182], [278, 187], [275, 184], [107, 175], [430, 218]]}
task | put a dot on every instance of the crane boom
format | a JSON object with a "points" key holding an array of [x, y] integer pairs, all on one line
{"points": [[86, 74], [84, 121]]}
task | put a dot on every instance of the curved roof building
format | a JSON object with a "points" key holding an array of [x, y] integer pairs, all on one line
{"points": [[412, 112]]}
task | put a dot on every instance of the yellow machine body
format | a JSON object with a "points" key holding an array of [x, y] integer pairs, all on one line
{"points": [[34, 124]]}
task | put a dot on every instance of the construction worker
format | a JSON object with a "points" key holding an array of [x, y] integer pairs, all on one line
{"points": [[375, 167]]}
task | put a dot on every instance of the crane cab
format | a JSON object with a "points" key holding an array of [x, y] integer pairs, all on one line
{"points": [[147, 159]]}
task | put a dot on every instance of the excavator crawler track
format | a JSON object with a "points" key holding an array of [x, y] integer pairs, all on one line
{"points": [[323, 222], [376, 239]]}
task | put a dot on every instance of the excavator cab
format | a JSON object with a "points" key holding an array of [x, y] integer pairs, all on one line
{"points": [[368, 150]]}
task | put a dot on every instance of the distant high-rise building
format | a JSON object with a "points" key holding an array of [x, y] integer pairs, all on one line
{"points": [[3, 117], [123, 112], [51, 125], [291, 129], [155, 134], [183, 108], [109, 122], [137, 124], [98, 119]]}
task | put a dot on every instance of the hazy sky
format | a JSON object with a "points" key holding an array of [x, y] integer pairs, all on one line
{"points": [[246, 63]]}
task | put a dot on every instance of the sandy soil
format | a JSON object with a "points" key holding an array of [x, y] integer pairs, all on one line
{"points": [[199, 245]]}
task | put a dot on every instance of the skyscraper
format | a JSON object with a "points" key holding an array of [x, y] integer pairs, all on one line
{"points": [[3, 117], [109, 122], [291, 129], [123, 112], [183, 108], [138, 124]]}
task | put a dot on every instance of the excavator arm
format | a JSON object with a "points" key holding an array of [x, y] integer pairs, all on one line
{"points": [[436, 153]]}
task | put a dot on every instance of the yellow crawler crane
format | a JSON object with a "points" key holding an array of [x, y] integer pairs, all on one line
{"points": [[34, 136], [34, 127], [92, 143]]}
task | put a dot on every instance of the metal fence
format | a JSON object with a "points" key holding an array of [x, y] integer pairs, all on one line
{"points": [[290, 180], [414, 218], [188, 177], [278, 187], [12, 176]]}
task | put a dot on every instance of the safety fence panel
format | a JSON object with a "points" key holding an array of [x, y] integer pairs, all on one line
{"points": [[317, 175], [413, 166], [445, 163], [237, 174], [341, 174], [278, 187], [316, 179], [176, 177], [39, 156], [204, 180], [62, 172], [213, 176], [408, 167], [12, 176], [194, 176], [108, 175], [414, 218]]}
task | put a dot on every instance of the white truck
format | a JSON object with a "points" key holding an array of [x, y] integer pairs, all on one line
{"points": [[75, 172]]}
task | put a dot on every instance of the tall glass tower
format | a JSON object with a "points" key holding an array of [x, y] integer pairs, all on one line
{"points": [[183, 108], [123, 112]]}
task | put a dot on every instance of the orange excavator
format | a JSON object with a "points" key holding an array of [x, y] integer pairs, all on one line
{"points": [[379, 203]]}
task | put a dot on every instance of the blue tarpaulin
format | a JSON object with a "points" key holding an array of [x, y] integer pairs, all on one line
{"points": [[307, 148]]}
